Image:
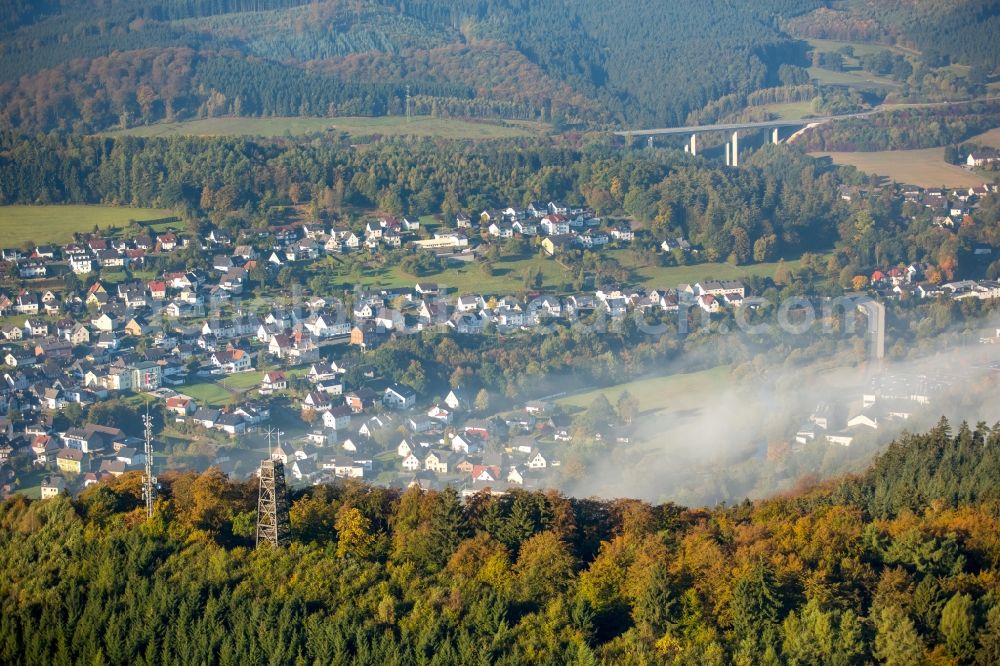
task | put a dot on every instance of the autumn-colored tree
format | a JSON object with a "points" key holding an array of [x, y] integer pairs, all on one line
{"points": [[354, 538], [628, 407], [742, 248], [544, 567], [482, 402], [208, 501], [616, 188], [782, 274], [764, 248], [313, 515], [473, 555]]}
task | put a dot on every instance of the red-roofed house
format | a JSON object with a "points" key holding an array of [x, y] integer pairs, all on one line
{"points": [[273, 381], [485, 473], [167, 242], [232, 361], [181, 405], [708, 303]]}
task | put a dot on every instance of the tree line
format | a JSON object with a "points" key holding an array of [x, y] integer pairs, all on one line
{"points": [[782, 203], [904, 129], [783, 194], [896, 565], [125, 89]]}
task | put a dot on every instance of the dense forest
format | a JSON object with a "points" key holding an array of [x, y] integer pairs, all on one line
{"points": [[897, 565], [587, 61], [944, 31], [88, 65], [904, 129]]}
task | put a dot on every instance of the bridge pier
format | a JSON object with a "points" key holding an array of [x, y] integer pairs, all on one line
{"points": [[694, 145], [774, 136], [736, 149], [729, 158]]}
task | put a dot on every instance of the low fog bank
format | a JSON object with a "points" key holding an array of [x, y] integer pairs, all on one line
{"points": [[750, 438]]}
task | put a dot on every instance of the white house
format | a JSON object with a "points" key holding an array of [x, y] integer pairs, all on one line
{"points": [[440, 412], [81, 263], [411, 463], [463, 443], [457, 399], [337, 418], [978, 158], [555, 225], [536, 460], [399, 396], [842, 438], [864, 419], [232, 361], [470, 303], [273, 381]]}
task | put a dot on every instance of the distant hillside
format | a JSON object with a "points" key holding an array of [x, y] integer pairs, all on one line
{"points": [[962, 31], [630, 62], [582, 61]]}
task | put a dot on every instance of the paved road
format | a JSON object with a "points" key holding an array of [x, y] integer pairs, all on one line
{"points": [[729, 127]]}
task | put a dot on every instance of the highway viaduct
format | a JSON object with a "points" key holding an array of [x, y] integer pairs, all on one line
{"points": [[732, 147]]}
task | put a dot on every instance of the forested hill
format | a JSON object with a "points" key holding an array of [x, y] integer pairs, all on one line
{"points": [[586, 60], [944, 31], [86, 65], [897, 566]]}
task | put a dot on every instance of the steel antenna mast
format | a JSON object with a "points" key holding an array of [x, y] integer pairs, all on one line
{"points": [[148, 481]]}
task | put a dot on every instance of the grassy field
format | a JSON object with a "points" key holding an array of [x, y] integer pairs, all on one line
{"points": [[207, 393], [449, 128], [244, 380], [925, 168], [508, 274], [680, 391], [671, 276], [507, 277], [851, 78], [860, 48], [225, 389], [991, 138], [788, 110], [853, 75], [31, 483], [56, 224]]}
